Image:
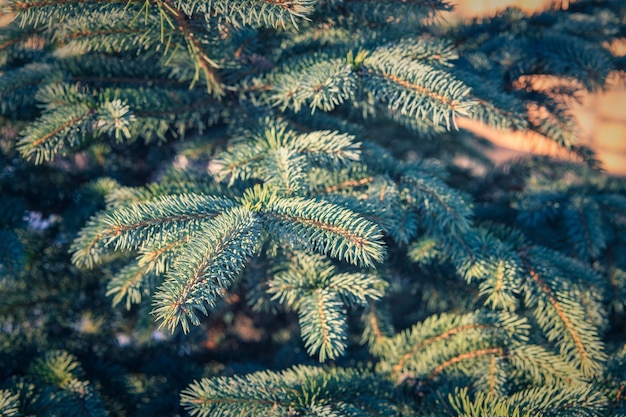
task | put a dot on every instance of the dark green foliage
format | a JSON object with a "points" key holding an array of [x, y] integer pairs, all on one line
{"points": [[304, 194], [303, 391]]}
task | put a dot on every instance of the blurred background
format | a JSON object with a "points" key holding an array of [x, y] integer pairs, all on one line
{"points": [[602, 116]]}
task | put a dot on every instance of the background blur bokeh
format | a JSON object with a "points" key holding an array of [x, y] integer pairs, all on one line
{"points": [[602, 116]]}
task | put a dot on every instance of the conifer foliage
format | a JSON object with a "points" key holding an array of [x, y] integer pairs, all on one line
{"points": [[174, 168]]}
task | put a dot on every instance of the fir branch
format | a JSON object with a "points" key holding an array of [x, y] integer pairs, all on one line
{"points": [[300, 390], [543, 366], [584, 228], [324, 228], [284, 169], [9, 403], [128, 228], [273, 13], [206, 266], [497, 352], [444, 211], [74, 397], [323, 85], [55, 131], [378, 330], [129, 285], [204, 63], [562, 319], [323, 324], [18, 87], [447, 333], [544, 401], [299, 153], [394, 11], [416, 90]]}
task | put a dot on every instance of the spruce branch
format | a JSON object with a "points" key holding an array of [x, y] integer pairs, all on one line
{"points": [[129, 285], [312, 286], [299, 390], [273, 13], [207, 265], [403, 11], [203, 63], [74, 114], [426, 49], [583, 398], [542, 402], [304, 274], [329, 149], [258, 158], [494, 352], [112, 31], [56, 131], [284, 169], [323, 324], [324, 85], [378, 331], [18, 87], [159, 257], [584, 225], [324, 228], [18, 42], [542, 366], [74, 397], [574, 57], [560, 317], [494, 107], [443, 209], [414, 89], [431, 346], [129, 228], [301, 207], [558, 126], [171, 229], [39, 13], [424, 250], [9, 403]]}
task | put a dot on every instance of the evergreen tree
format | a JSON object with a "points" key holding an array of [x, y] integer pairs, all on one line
{"points": [[255, 207]]}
